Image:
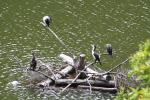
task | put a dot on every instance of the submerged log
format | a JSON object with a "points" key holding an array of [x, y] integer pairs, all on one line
{"points": [[65, 82], [102, 89], [59, 75]]}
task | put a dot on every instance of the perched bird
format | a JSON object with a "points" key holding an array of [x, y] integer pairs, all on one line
{"points": [[46, 21], [33, 62], [107, 77], [95, 55], [109, 49]]}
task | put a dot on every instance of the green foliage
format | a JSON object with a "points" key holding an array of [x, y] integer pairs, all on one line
{"points": [[140, 67], [140, 63], [122, 95]]}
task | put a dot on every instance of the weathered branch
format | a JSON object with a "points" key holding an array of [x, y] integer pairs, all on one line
{"points": [[44, 75], [118, 65], [48, 68], [71, 82], [77, 77], [59, 75], [67, 59], [103, 89]]}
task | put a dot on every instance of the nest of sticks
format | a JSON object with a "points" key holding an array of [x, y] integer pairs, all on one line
{"points": [[76, 73]]}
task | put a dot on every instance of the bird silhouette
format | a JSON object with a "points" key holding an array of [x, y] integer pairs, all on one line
{"points": [[47, 20], [95, 55], [109, 49], [33, 62]]}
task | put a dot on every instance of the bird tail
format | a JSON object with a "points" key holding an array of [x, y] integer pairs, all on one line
{"points": [[111, 56]]}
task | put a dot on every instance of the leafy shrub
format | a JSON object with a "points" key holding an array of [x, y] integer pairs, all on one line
{"points": [[140, 67]]}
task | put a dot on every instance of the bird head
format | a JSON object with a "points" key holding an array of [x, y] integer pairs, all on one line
{"points": [[47, 20], [93, 46], [108, 45]]}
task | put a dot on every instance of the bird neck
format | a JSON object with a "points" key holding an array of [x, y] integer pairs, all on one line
{"points": [[33, 58], [93, 49]]}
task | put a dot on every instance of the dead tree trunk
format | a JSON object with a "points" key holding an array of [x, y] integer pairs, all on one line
{"points": [[99, 83], [81, 66]]}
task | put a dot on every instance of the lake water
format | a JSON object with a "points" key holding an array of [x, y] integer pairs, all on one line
{"points": [[79, 23]]}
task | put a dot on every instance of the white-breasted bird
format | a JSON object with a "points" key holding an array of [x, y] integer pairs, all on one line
{"points": [[47, 20], [95, 55], [109, 49]]}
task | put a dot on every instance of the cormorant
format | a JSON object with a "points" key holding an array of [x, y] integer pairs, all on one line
{"points": [[109, 49], [95, 55], [47, 20], [33, 62]]}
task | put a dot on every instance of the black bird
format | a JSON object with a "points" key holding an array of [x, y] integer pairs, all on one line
{"points": [[107, 77], [95, 55], [33, 62], [109, 49], [47, 20]]}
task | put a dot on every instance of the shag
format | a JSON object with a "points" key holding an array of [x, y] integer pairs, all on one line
{"points": [[95, 55], [108, 77], [109, 49], [47, 20], [33, 62]]}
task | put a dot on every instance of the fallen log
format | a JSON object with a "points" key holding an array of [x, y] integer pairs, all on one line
{"points": [[67, 59], [60, 74], [99, 83], [89, 70], [102, 89]]}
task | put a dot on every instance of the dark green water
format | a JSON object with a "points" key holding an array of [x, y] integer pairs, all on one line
{"points": [[79, 23]]}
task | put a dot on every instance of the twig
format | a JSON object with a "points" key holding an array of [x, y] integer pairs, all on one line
{"points": [[89, 84], [76, 77], [45, 75], [101, 74], [18, 62], [118, 65], [48, 68], [116, 80]]}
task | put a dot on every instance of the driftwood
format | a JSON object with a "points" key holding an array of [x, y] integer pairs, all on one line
{"points": [[67, 59], [76, 77], [65, 82], [102, 89], [59, 75]]}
